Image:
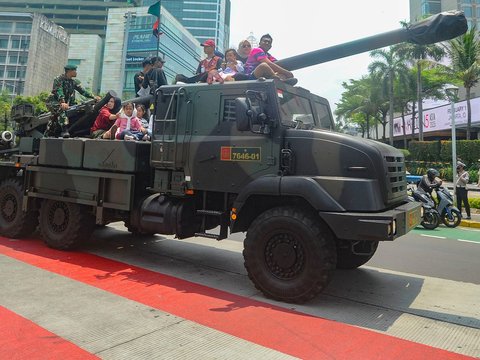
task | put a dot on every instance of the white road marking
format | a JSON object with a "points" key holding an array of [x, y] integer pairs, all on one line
{"points": [[470, 241], [433, 236]]}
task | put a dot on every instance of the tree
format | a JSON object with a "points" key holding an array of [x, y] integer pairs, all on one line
{"points": [[388, 65], [361, 97], [38, 101], [464, 53], [420, 54]]}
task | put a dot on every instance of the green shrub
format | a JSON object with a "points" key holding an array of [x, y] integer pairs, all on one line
{"points": [[406, 153], [474, 203], [424, 150], [467, 150]]}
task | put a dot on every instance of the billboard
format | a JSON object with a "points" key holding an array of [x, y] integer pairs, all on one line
{"points": [[438, 119]]}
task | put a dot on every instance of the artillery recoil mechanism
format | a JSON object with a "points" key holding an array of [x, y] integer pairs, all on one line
{"points": [[246, 156]]}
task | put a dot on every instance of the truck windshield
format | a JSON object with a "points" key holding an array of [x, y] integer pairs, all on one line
{"points": [[295, 111]]}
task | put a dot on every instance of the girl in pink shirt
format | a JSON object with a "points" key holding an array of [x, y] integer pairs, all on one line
{"points": [[129, 126]]}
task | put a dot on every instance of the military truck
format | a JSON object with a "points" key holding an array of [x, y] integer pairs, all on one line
{"points": [[249, 156]]}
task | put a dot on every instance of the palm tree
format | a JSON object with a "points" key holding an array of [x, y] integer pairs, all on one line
{"points": [[464, 53], [420, 53], [388, 66]]}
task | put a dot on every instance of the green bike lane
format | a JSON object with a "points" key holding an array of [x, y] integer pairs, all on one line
{"points": [[457, 234]]}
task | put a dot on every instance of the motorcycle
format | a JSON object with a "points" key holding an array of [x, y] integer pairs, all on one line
{"points": [[430, 215], [449, 214]]}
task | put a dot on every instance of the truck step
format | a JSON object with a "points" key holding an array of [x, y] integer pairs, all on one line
{"points": [[210, 212], [211, 236]]}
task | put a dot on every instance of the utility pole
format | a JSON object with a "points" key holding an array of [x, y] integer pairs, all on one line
{"points": [[128, 17]]}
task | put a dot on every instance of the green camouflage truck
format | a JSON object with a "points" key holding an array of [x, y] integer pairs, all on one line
{"points": [[249, 156]]}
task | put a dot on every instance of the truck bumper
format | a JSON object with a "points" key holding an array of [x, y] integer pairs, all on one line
{"points": [[383, 226]]}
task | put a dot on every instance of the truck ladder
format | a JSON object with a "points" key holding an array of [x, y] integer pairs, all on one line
{"points": [[167, 140], [222, 215]]}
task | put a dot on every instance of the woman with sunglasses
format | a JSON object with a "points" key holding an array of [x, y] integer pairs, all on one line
{"points": [[244, 50]]}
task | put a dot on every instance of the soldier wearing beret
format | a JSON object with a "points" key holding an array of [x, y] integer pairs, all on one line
{"points": [[61, 98]]}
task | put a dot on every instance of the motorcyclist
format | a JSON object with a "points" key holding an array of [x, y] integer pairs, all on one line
{"points": [[430, 181]]}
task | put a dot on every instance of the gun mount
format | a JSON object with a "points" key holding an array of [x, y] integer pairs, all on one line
{"points": [[440, 27]]}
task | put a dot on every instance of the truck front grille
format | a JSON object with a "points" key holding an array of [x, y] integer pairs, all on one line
{"points": [[396, 180]]}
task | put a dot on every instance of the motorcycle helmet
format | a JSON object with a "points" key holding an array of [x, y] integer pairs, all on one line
{"points": [[432, 173]]}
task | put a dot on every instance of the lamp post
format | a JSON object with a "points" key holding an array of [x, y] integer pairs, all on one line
{"points": [[452, 93]]}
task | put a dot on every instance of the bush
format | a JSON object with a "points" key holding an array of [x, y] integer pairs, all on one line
{"points": [[474, 203], [424, 150], [406, 153], [467, 150]]}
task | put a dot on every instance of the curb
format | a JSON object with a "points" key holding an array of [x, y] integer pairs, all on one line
{"points": [[470, 223]]}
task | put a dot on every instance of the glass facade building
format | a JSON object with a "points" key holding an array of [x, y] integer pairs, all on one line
{"points": [[75, 16], [176, 45], [15, 32], [420, 9], [205, 19]]}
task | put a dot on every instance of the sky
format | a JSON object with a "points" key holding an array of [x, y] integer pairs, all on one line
{"points": [[301, 26]]}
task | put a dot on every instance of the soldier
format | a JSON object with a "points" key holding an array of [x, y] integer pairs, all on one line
{"points": [[61, 98]]}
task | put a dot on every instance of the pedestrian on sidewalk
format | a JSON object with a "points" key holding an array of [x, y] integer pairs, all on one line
{"points": [[461, 188], [478, 174]]}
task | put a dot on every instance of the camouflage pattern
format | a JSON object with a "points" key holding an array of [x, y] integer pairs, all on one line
{"points": [[63, 91]]}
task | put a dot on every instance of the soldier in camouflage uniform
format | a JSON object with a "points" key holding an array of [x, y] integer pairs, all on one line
{"points": [[61, 98]]}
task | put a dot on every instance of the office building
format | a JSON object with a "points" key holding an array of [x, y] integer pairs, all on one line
{"points": [[33, 50], [420, 9], [129, 41], [205, 19], [75, 16]]}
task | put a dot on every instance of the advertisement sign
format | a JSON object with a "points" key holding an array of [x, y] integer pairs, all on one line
{"points": [[141, 40], [439, 118]]}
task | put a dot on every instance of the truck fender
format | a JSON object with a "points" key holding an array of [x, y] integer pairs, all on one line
{"points": [[276, 188], [311, 191]]}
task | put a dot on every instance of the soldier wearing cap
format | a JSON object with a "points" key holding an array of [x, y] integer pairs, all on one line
{"points": [[61, 98]]}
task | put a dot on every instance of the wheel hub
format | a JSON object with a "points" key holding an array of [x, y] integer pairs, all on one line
{"points": [[58, 217], [284, 255], [9, 207]]}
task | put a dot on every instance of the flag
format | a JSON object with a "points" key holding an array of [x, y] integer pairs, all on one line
{"points": [[155, 28], [155, 11]]}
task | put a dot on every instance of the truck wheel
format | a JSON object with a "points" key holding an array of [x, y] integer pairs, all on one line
{"points": [[346, 259], [289, 254], [64, 225], [14, 222]]}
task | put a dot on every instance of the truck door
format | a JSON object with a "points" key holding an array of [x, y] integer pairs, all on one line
{"points": [[222, 158]]}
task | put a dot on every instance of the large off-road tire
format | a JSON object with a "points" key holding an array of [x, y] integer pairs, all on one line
{"points": [[454, 221], [65, 225], [430, 220], [289, 254], [347, 259], [14, 222]]}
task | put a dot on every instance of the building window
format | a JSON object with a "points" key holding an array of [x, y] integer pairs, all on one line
{"points": [[6, 26], [74, 61], [3, 59], [15, 44], [3, 43], [11, 74], [23, 27], [13, 59]]}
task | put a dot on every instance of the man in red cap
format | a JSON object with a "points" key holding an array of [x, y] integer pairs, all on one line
{"points": [[211, 62]]}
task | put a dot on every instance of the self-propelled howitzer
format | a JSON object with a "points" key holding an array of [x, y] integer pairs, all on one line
{"points": [[246, 156]]}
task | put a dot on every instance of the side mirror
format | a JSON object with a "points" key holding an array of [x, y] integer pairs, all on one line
{"points": [[243, 113]]}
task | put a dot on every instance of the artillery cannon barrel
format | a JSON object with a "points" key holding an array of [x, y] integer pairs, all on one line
{"points": [[440, 27]]}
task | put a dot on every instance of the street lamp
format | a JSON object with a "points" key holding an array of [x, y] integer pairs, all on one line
{"points": [[452, 93]]}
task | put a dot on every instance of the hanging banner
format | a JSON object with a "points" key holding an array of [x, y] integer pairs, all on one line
{"points": [[439, 118]]}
